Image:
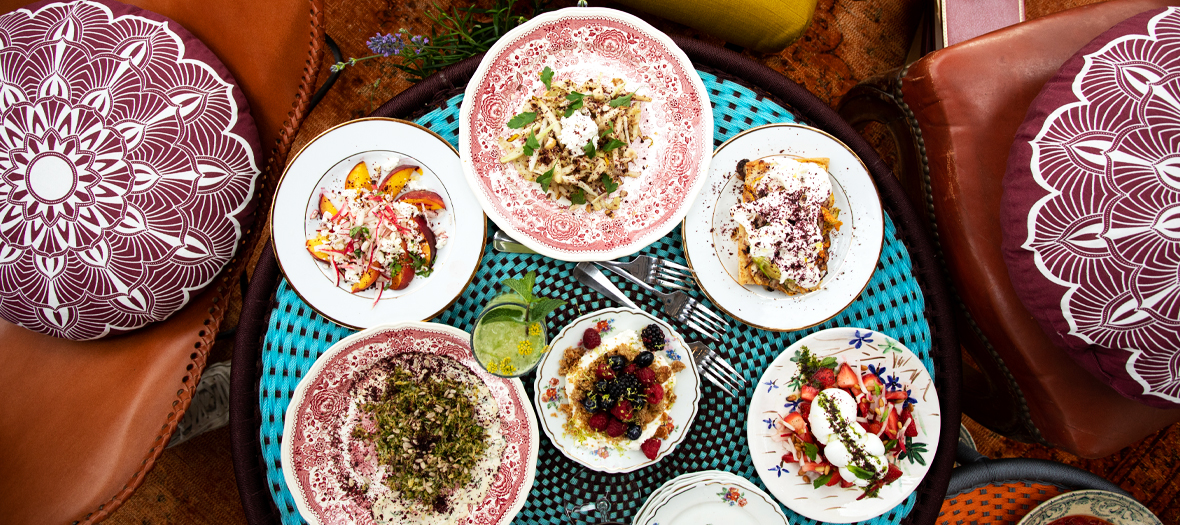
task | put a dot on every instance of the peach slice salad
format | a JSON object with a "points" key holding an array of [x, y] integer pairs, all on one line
{"points": [[378, 234], [847, 428]]}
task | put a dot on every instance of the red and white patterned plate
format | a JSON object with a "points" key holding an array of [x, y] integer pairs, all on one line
{"points": [[311, 444], [580, 44]]}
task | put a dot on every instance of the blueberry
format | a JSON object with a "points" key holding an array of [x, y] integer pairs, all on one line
{"points": [[607, 402], [591, 403], [633, 431], [616, 362], [644, 359], [602, 386]]}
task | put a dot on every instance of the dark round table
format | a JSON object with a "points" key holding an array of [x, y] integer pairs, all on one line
{"points": [[246, 417]]}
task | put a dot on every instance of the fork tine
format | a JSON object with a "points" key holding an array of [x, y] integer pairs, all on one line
{"points": [[720, 375], [723, 363], [670, 264], [708, 374], [669, 284], [706, 321], [703, 332], [701, 307], [673, 273]]}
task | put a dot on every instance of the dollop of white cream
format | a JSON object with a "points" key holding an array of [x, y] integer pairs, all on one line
{"points": [[836, 449], [577, 130]]}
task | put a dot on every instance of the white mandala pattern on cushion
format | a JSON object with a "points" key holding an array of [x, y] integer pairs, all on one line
{"points": [[1109, 229], [120, 178]]}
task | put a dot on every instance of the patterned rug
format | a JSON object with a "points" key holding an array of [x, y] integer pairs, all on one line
{"points": [[847, 42]]}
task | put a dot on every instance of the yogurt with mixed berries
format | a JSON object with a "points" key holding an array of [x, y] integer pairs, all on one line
{"points": [[584, 371]]}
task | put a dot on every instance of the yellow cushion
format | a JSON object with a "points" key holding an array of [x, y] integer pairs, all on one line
{"points": [[760, 25]]}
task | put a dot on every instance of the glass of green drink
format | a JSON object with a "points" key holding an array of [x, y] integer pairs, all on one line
{"points": [[505, 341]]}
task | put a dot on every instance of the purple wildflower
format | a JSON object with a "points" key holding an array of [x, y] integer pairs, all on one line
{"points": [[419, 41], [386, 45]]}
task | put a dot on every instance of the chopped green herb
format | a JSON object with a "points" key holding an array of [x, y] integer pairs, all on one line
{"points": [[359, 232], [522, 120], [890, 444], [531, 144], [426, 435], [609, 183], [547, 77], [545, 180], [589, 149], [421, 267], [822, 480], [610, 128], [578, 196], [811, 450], [576, 99], [860, 472], [613, 144], [624, 100]]}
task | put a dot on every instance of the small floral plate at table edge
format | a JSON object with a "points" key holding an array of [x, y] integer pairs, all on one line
{"points": [[321, 398], [550, 390], [856, 246], [324, 163], [581, 44], [1116, 509], [895, 366], [735, 491], [733, 497]]}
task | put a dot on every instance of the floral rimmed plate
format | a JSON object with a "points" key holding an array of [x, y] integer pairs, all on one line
{"points": [[896, 366], [323, 164], [856, 246], [709, 497], [551, 390], [581, 44], [314, 432], [1115, 509]]}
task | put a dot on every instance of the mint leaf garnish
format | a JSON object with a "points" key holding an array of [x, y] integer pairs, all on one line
{"points": [[822, 480], [811, 450], [538, 307], [523, 286], [522, 120], [860, 472], [610, 184], [547, 77], [613, 145], [503, 314], [541, 307]]}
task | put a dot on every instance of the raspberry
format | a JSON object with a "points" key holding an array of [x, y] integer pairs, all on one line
{"points": [[825, 377], [623, 411], [646, 376], [598, 421], [615, 428], [655, 394], [604, 371], [650, 448], [630, 369], [591, 339]]}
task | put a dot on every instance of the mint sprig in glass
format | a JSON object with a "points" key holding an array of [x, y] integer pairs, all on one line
{"points": [[511, 334]]}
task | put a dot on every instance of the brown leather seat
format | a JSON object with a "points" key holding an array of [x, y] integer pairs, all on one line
{"points": [[954, 114], [81, 423]]}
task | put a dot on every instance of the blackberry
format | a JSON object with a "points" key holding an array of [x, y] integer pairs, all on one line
{"points": [[653, 337], [616, 387], [616, 362], [633, 431], [644, 359]]}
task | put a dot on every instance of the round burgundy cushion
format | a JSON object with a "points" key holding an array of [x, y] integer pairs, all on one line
{"points": [[1091, 208], [127, 163]]}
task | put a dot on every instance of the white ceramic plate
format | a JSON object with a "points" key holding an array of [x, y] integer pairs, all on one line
{"points": [[728, 497], [1114, 508], [581, 44], [856, 247], [836, 504], [323, 164], [550, 390], [317, 417]]}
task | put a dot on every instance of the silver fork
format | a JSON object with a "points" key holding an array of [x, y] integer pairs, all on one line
{"points": [[715, 368], [681, 307], [655, 271]]}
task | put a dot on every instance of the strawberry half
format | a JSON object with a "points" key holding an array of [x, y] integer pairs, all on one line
{"points": [[872, 384], [796, 422], [892, 474], [891, 424], [808, 392], [846, 378], [824, 377], [805, 409]]}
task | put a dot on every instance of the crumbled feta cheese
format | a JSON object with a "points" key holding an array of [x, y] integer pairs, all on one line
{"points": [[576, 131]]}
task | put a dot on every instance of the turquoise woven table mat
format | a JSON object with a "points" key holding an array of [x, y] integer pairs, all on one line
{"points": [[892, 303]]}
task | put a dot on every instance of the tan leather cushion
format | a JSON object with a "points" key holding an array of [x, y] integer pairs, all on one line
{"points": [[969, 100], [82, 422]]}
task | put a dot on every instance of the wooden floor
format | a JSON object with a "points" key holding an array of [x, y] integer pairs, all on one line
{"points": [[848, 41]]}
